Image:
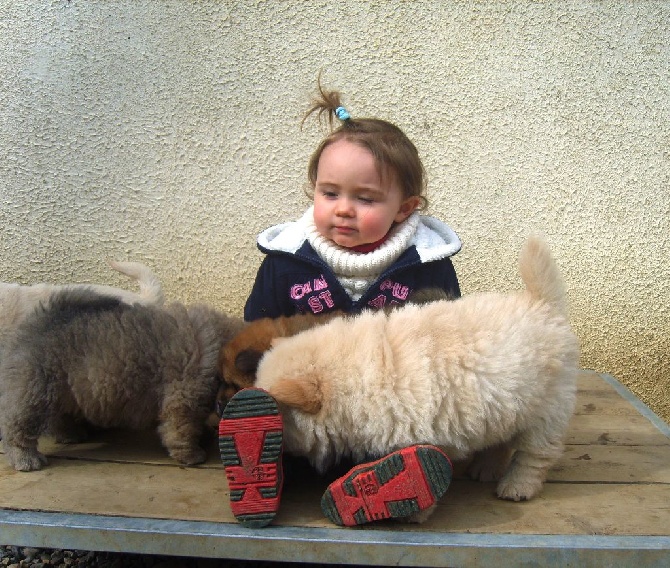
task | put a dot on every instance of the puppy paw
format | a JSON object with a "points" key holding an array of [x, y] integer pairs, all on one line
{"points": [[25, 459], [518, 490], [189, 456]]}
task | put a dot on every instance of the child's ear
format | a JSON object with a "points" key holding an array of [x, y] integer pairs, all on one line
{"points": [[407, 207]]}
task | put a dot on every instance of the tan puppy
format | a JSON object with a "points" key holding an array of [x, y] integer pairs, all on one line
{"points": [[485, 372], [88, 357], [16, 301]]}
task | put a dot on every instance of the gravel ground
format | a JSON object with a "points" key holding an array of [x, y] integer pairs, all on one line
{"points": [[22, 557]]}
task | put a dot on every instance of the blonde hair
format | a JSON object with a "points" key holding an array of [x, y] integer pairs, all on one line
{"points": [[393, 151]]}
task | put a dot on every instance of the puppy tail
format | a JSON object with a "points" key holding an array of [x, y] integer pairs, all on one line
{"points": [[150, 286], [301, 394], [540, 274]]}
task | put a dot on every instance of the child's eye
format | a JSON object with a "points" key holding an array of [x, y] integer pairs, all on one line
{"points": [[329, 193], [366, 200]]}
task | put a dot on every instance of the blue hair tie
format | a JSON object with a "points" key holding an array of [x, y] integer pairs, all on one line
{"points": [[342, 114]]}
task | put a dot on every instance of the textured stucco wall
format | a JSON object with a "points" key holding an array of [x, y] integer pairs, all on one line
{"points": [[168, 132]]}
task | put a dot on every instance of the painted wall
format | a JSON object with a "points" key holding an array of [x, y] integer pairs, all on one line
{"points": [[169, 132]]}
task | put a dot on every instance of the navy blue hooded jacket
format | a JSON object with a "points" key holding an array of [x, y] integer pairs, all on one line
{"points": [[294, 279]]}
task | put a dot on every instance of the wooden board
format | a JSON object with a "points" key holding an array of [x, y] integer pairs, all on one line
{"points": [[613, 482]]}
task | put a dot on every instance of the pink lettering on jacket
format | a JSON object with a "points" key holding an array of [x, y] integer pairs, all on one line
{"points": [[320, 283], [298, 291], [317, 293], [318, 303], [397, 290]]}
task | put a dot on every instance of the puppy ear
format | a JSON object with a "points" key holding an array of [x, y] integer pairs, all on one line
{"points": [[303, 395], [247, 360]]}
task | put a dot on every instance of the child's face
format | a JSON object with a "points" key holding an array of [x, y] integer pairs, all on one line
{"points": [[352, 205]]}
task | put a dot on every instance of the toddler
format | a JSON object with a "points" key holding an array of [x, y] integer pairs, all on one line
{"points": [[361, 245]]}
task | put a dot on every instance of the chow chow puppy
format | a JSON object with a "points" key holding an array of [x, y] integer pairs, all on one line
{"points": [[484, 373], [85, 356]]}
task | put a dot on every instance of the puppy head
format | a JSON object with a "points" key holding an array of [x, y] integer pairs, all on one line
{"points": [[241, 375], [238, 358]]}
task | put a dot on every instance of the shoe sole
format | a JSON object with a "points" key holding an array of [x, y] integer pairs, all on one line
{"points": [[250, 443], [398, 485]]}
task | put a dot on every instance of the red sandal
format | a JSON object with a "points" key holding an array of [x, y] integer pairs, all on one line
{"points": [[398, 485], [250, 442]]}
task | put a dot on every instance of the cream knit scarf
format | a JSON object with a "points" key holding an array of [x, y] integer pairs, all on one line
{"points": [[357, 271]]}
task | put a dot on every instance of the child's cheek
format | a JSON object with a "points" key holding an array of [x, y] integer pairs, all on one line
{"points": [[373, 226]]}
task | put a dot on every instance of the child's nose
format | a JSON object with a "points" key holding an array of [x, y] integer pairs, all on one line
{"points": [[344, 207]]}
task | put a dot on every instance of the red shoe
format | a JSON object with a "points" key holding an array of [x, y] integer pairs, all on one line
{"points": [[398, 485], [250, 442]]}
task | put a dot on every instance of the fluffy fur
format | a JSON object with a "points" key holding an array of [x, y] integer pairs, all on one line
{"points": [[484, 373], [89, 357], [239, 357], [17, 302]]}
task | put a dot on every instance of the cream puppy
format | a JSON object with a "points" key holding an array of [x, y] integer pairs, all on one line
{"points": [[484, 373]]}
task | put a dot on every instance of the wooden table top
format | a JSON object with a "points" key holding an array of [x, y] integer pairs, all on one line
{"points": [[607, 498]]}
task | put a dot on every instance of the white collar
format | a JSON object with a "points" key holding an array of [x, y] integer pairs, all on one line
{"points": [[346, 262]]}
